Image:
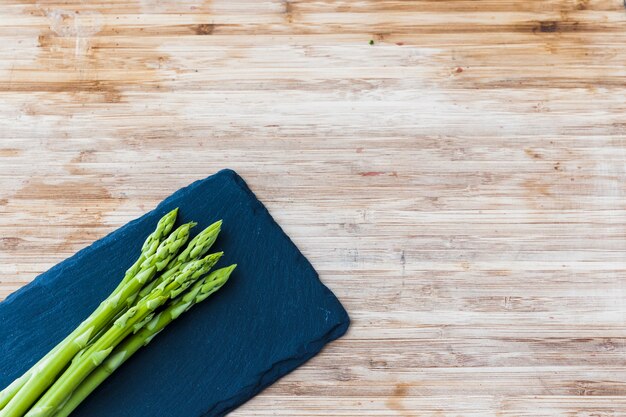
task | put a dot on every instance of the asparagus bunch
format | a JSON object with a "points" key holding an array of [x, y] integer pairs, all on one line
{"points": [[157, 277], [197, 248], [140, 267], [200, 291]]}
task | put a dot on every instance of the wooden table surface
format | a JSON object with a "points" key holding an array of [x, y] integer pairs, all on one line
{"points": [[455, 170]]}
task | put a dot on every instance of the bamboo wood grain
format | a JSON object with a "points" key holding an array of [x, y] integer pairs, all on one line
{"points": [[459, 184]]}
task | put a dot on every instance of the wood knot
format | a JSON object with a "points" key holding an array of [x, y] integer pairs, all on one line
{"points": [[10, 243], [288, 11], [204, 29], [550, 26]]}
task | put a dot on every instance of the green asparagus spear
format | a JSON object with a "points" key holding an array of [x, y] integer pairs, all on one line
{"points": [[44, 373], [196, 294], [196, 249], [134, 318], [164, 227], [10, 391]]}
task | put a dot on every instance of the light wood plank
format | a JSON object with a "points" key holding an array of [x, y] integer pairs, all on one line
{"points": [[459, 184]]}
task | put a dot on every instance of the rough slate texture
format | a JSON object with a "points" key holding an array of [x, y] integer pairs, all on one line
{"points": [[272, 316]]}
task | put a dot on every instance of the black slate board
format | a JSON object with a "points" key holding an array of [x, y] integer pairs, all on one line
{"points": [[272, 316]]}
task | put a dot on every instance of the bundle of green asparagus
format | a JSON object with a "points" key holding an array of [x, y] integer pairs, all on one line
{"points": [[166, 280]]}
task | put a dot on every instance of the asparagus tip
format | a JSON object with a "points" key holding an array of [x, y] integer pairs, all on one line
{"points": [[214, 255]]}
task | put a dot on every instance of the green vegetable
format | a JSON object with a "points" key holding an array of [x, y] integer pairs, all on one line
{"points": [[197, 248], [194, 295], [160, 286], [10, 391], [132, 320], [164, 227], [44, 373]]}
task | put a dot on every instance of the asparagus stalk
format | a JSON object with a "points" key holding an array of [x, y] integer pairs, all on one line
{"points": [[200, 291], [196, 248], [134, 318], [44, 373], [164, 227], [10, 391]]}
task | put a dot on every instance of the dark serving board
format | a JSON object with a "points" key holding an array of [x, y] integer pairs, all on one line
{"points": [[272, 316]]}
